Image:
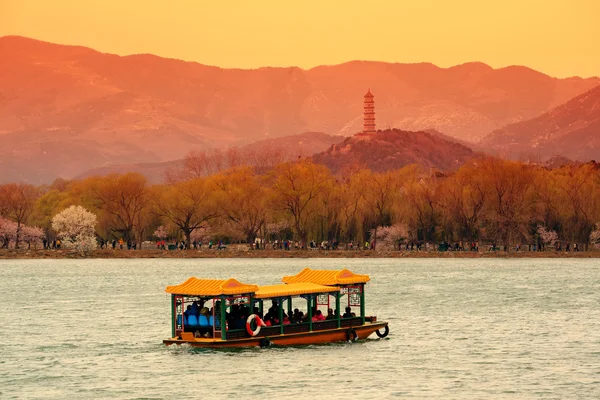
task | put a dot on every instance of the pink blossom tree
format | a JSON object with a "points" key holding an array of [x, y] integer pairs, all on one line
{"points": [[389, 236], [547, 236], [595, 236], [161, 232], [276, 228], [202, 234], [32, 235], [8, 232]]}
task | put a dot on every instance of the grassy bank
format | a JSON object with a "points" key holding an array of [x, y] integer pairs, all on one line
{"points": [[244, 253]]}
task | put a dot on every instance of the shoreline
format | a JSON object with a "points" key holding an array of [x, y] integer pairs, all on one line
{"points": [[8, 254]]}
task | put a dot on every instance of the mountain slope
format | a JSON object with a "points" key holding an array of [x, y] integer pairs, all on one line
{"points": [[287, 148], [393, 149], [571, 130], [65, 109]]}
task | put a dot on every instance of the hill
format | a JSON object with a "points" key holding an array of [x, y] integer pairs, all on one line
{"points": [[280, 149], [570, 130], [65, 109], [393, 149]]}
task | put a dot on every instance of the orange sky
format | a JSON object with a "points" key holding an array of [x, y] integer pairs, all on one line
{"points": [[557, 37]]}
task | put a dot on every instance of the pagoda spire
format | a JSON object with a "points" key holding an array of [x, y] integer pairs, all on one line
{"points": [[369, 113]]}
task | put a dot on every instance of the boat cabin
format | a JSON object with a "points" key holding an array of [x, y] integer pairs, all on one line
{"points": [[208, 310], [351, 285]]}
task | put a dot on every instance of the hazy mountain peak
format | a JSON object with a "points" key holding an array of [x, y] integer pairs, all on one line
{"points": [[570, 129]]}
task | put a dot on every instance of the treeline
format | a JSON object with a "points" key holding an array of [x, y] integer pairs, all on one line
{"points": [[487, 200]]}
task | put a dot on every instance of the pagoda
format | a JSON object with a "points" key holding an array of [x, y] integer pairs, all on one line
{"points": [[369, 124]]}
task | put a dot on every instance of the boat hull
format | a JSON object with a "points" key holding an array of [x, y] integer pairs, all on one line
{"points": [[289, 339]]}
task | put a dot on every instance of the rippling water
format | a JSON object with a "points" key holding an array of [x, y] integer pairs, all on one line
{"points": [[468, 329]]}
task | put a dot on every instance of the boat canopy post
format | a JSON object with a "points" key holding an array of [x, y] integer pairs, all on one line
{"points": [[362, 302], [223, 318], [280, 300], [178, 316], [309, 302], [289, 306], [173, 315], [337, 309], [214, 317], [251, 301]]}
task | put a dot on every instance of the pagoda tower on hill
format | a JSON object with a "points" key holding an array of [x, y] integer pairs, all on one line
{"points": [[369, 124]]}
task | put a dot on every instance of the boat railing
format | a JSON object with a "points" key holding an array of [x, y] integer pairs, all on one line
{"points": [[349, 322], [296, 328]]}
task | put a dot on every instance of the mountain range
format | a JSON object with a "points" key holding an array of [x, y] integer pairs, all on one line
{"points": [[67, 109], [570, 130], [281, 149]]}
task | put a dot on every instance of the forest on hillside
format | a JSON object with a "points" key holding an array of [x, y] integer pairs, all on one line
{"points": [[487, 200]]}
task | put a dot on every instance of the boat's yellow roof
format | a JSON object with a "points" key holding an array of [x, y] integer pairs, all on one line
{"points": [[211, 287], [293, 289], [327, 277]]}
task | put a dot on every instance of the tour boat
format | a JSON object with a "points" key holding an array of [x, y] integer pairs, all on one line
{"points": [[228, 313]]}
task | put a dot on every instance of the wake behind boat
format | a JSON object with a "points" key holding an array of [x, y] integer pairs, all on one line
{"points": [[305, 309]]}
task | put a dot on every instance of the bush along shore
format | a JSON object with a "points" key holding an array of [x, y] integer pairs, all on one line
{"points": [[245, 252]]}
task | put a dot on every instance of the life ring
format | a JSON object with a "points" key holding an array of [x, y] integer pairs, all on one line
{"points": [[351, 335], [386, 330], [259, 323]]}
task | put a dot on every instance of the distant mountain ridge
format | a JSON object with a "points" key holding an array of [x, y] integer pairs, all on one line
{"points": [[570, 130], [66, 109], [288, 147]]}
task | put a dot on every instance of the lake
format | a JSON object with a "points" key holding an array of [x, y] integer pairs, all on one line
{"points": [[459, 328]]}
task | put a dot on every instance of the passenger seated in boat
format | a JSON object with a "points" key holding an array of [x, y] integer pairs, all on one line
{"points": [[269, 320], [274, 309], [297, 316], [348, 313], [204, 318], [239, 321], [216, 322], [188, 311], [233, 315], [195, 308], [318, 317], [330, 314], [286, 320], [294, 315], [244, 312], [192, 321]]}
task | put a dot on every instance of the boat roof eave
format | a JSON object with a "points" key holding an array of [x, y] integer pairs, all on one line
{"points": [[327, 277], [293, 289]]}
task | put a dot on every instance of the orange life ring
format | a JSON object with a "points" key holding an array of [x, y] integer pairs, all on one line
{"points": [[259, 323]]}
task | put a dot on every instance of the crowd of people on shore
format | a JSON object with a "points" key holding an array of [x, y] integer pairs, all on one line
{"points": [[327, 245], [106, 244]]}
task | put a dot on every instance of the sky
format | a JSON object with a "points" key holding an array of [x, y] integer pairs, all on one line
{"points": [[557, 37]]}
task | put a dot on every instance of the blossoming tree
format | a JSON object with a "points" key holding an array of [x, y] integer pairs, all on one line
{"points": [[75, 227], [8, 232], [595, 236], [388, 237], [547, 236], [32, 235], [161, 232]]}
